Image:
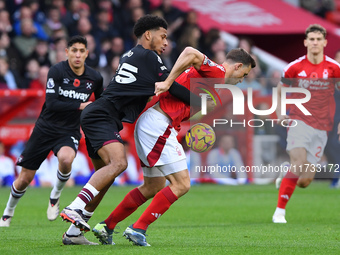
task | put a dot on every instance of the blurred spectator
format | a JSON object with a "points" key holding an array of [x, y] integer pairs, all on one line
{"points": [[190, 37], [209, 38], [248, 44], [7, 172], [173, 15], [41, 53], [40, 82], [27, 41], [53, 22], [37, 15], [5, 21], [226, 155], [84, 27], [170, 54], [94, 52], [58, 48], [36, 28], [8, 80], [72, 16], [31, 72], [117, 48], [61, 6], [219, 57], [7, 49], [102, 27], [318, 7], [110, 70]]}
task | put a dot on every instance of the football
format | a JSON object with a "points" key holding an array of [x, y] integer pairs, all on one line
{"points": [[200, 137]]}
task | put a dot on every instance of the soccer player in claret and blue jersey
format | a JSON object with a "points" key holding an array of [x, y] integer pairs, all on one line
{"points": [[307, 139], [124, 99], [69, 86]]}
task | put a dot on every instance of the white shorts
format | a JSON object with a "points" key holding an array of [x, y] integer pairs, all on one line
{"points": [[165, 170], [305, 136], [156, 140]]}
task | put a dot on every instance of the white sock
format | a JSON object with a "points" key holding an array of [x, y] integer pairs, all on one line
{"points": [[13, 200], [84, 197], [280, 211], [59, 184], [73, 230]]}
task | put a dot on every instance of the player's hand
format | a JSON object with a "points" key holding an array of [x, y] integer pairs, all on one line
{"points": [[210, 105], [161, 87], [83, 105]]}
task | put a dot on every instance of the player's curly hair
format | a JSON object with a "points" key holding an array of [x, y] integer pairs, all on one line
{"points": [[148, 22], [77, 39], [240, 55]]}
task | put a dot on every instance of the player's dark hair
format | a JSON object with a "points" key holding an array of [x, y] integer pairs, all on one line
{"points": [[77, 39], [148, 22], [240, 55], [316, 28]]}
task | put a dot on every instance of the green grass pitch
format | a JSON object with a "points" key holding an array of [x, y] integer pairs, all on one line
{"points": [[210, 219]]}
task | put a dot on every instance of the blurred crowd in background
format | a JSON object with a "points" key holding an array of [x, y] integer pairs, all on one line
{"points": [[34, 35]]}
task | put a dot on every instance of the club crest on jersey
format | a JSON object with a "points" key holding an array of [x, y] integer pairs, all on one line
{"points": [[76, 83], [50, 83], [325, 74], [89, 85]]}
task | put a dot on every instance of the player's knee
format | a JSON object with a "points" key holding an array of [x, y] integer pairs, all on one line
{"points": [[118, 167], [65, 162]]}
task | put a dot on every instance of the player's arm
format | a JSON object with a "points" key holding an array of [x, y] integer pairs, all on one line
{"points": [[53, 102], [188, 57]]}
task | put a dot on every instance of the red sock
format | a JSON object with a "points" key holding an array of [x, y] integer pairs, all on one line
{"points": [[159, 205], [129, 204], [287, 188]]}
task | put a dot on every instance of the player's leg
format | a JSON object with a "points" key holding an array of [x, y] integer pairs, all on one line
{"points": [[298, 157], [18, 189], [179, 185], [73, 236], [65, 157], [135, 198], [35, 152], [113, 154]]}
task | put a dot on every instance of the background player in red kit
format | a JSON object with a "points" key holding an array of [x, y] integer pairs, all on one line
{"points": [[69, 87], [307, 140], [159, 150]]}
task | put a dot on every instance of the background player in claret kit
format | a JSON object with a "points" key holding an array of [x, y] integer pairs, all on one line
{"points": [[68, 90], [122, 101], [160, 152], [307, 140]]}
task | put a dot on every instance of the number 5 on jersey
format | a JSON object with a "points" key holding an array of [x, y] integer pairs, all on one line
{"points": [[125, 74]]}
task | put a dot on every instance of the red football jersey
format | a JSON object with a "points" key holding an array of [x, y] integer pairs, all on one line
{"points": [[320, 81], [175, 108]]}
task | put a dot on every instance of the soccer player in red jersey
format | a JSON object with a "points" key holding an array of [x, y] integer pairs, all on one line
{"points": [[307, 137], [162, 156]]}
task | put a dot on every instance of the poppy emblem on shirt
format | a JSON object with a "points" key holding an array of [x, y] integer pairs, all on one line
{"points": [[314, 75], [76, 82]]}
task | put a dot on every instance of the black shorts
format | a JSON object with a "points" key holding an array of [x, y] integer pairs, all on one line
{"points": [[101, 125], [41, 143]]}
